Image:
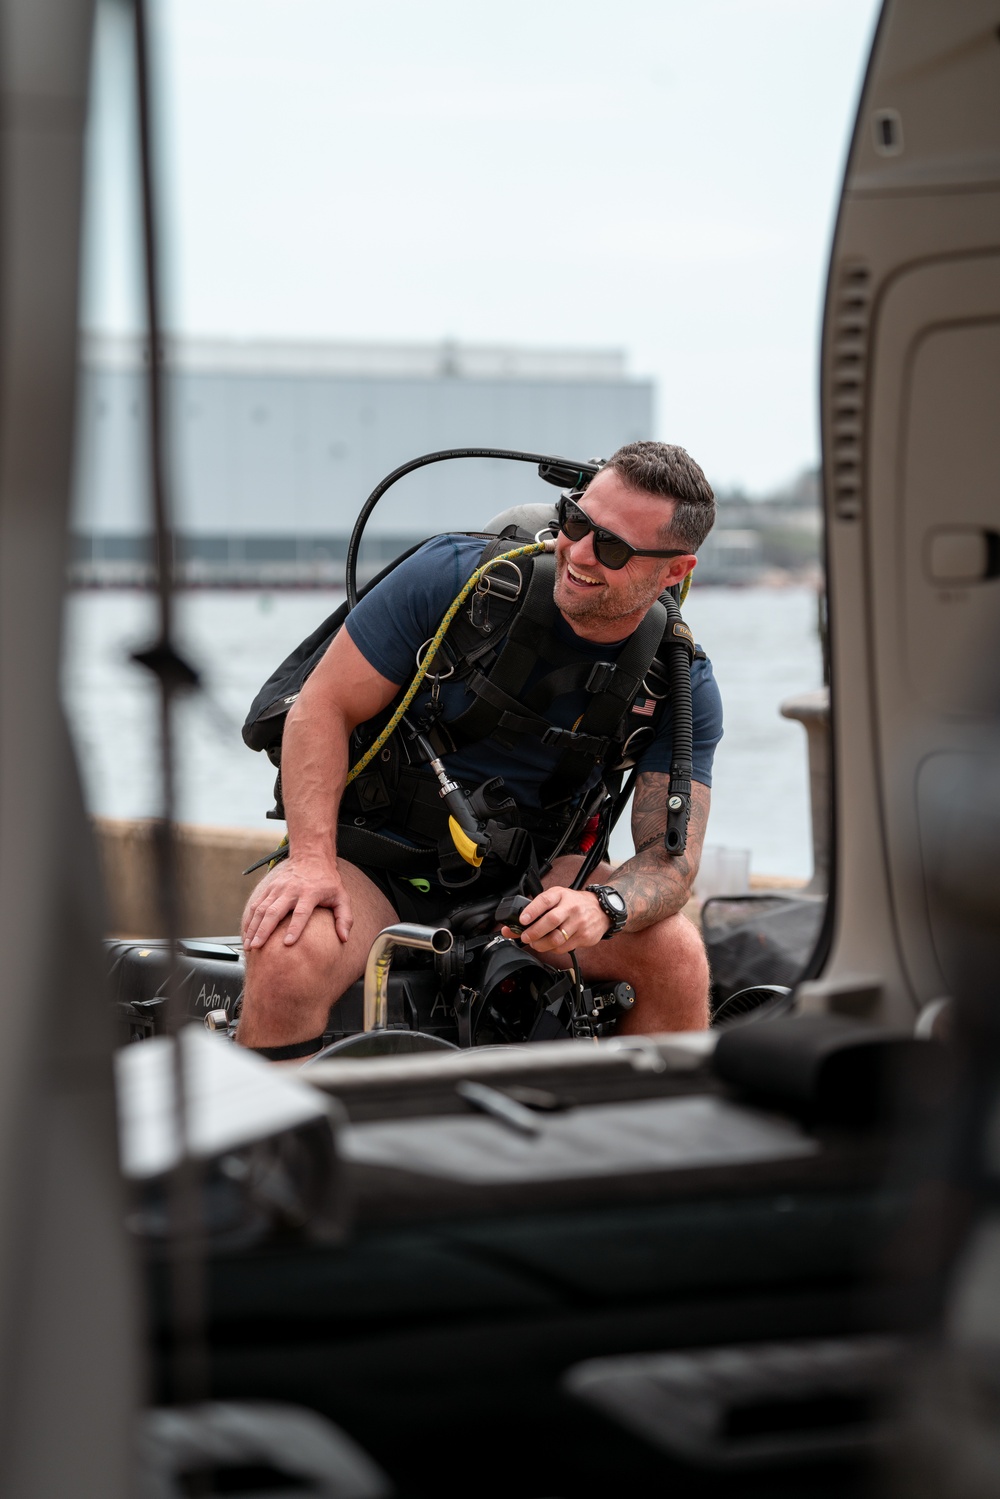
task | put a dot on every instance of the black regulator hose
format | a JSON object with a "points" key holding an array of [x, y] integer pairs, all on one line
{"points": [[681, 764], [565, 472]]}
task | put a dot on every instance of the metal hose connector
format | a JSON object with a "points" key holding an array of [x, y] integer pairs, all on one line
{"points": [[404, 934]]}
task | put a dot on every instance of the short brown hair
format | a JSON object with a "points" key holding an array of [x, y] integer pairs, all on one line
{"points": [[663, 469]]}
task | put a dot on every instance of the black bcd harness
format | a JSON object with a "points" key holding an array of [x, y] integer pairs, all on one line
{"points": [[504, 649]]}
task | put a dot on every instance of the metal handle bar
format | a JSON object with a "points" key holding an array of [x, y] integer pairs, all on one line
{"points": [[405, 934]]}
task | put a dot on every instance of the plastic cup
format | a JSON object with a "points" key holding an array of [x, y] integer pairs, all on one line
{"points": [[723, 871], [734, 873], [707, 881]]}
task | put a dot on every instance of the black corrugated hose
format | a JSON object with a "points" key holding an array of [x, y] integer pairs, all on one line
{"points": [[562, 471], [681, 764]]}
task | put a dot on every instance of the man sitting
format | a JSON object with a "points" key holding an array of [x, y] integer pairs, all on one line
{"points": [[309, 923]]}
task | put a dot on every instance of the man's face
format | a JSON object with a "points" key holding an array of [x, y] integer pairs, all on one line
{"points": [[596, 599]]}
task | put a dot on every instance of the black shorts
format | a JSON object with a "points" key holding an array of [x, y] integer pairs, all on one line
{"points": [[427, 901]]}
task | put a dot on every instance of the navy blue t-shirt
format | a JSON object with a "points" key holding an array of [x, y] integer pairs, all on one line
{"points": [[391, 623]]}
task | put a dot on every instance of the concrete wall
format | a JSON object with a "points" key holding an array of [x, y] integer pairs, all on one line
{"points": [[214, 889]]}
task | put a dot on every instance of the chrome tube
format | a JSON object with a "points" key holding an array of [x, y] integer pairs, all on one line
{"points": [[380, 954]]}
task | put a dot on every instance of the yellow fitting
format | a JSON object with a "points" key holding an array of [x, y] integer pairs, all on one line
{"points": [[465, 845]]}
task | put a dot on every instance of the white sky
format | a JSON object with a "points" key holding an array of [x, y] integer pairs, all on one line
{"points": [[655, 175]]}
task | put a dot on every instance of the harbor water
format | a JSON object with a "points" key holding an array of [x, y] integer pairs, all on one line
{"points": [[763, 643]]}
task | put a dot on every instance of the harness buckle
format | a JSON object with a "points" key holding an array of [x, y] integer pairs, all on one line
{"points": [[601, 676]]}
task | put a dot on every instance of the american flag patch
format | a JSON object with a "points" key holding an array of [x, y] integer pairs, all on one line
{"points": [[645, 708]]}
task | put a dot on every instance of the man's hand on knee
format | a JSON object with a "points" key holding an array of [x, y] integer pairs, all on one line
{"points": [[296, 888]]}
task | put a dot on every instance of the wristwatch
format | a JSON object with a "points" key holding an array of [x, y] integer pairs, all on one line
{"points": [[613, 905]]}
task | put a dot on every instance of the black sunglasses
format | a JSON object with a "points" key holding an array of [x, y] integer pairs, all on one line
{"points": [[610, 550]]}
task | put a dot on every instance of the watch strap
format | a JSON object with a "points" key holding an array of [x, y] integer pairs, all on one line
{"points": [[617, 917]]}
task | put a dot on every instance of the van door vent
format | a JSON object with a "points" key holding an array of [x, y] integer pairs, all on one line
{"points": [[850, 354]]}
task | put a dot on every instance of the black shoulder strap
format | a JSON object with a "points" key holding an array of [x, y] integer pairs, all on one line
{"points": [[609, 705], [501, 706], [478, 629], [496, 684]]}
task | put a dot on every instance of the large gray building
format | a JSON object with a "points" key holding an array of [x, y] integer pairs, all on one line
{"points": [[275, 446]]}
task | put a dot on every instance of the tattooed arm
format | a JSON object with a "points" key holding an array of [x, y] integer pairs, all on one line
{"points": [[653, 883]]}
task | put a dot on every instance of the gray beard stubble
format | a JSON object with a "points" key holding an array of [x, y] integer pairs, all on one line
{"points": [[604, 605]]}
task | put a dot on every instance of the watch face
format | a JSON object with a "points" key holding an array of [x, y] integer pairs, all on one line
{"points": [[615, 901]]}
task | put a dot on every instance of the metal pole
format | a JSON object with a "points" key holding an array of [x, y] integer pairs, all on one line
{"points": [[380, 955]]}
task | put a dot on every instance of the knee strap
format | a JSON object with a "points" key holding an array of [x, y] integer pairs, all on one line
{"points": [[289, 1053]]}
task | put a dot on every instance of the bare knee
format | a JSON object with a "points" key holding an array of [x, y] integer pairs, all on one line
{"points": [[289, 988], [671, 979], [683, 950], [682, 943], [289, 965]]}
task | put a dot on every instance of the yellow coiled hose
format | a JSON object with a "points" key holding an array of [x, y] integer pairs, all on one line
{"points": [[466, 847]]}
